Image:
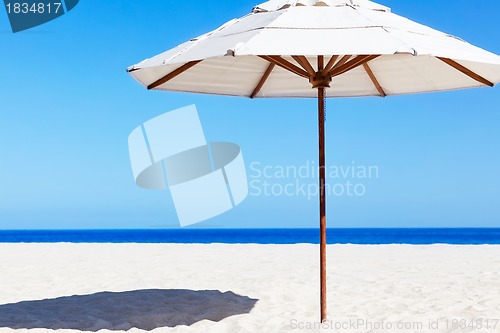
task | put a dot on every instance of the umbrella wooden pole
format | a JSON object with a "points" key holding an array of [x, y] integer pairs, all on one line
{"points": [[322, 199]]}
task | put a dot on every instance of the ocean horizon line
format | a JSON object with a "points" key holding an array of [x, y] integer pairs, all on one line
{"points": [[258, 236]]}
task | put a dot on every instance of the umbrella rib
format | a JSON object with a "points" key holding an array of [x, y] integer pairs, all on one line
{"points": [[279, 61], [374, 80], [356, 62], [330, 64], [342, 61], [466, 71], [302, 61], [263, 80], [173, 74], [321, 63]]}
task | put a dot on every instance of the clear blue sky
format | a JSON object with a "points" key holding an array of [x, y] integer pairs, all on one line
{"points": [[67, 107]]}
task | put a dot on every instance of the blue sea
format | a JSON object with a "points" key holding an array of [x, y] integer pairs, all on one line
{"points": [[258, 236]]}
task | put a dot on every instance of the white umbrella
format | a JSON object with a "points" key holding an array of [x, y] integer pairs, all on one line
{"points": [[290, 48]]}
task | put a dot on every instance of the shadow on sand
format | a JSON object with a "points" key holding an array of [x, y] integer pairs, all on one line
{"points": [[143, 309]]}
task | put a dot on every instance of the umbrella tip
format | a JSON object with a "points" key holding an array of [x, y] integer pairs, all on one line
{"points": [[276, 5]]}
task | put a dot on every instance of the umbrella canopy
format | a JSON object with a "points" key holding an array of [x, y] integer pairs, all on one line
{"points": [[404, 57], [299, 48]]}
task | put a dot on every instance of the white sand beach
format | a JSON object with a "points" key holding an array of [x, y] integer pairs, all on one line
{"points": [[247, 288]]}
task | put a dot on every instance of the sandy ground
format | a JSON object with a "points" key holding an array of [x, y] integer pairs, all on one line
{"points": [[248, 288]]}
